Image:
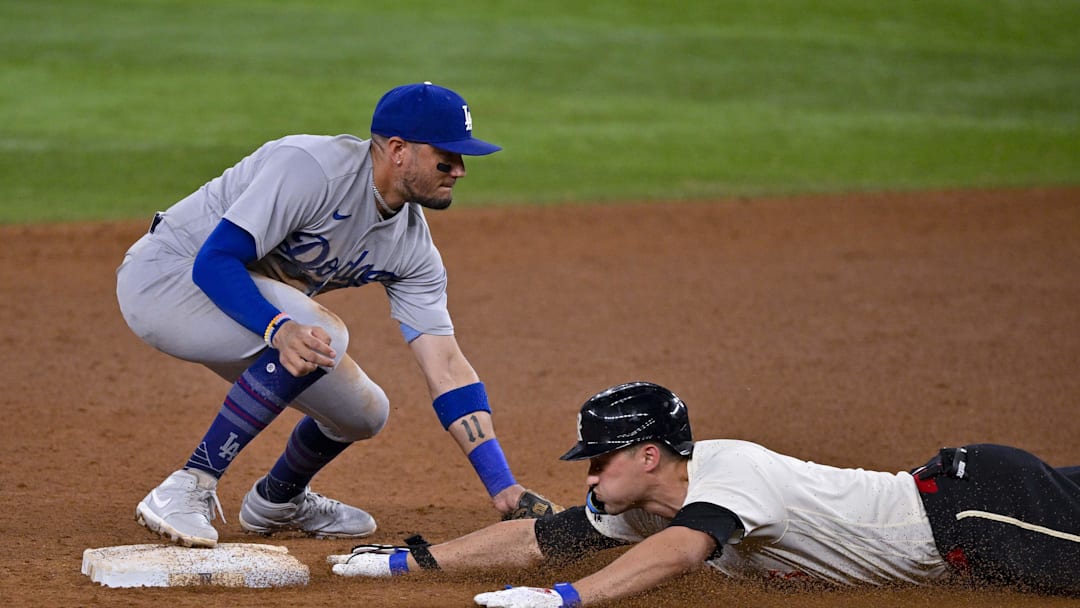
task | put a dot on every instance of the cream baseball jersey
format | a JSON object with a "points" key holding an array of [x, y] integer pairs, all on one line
{"points": [[801, 519]]}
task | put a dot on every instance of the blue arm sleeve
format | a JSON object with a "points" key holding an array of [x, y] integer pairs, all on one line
{"points": [[220, 271]]}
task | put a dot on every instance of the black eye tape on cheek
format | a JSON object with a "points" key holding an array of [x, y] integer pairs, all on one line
{"points": [[445, 168]]}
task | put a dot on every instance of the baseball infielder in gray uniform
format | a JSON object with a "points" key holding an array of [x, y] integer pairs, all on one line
{"points": [[983, 513], [226, 278]]}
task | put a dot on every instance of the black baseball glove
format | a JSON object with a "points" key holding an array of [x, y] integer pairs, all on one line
{"points": [[533, 506]]}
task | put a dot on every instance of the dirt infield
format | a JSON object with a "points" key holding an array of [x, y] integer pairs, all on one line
{"points": [[860, 331]]}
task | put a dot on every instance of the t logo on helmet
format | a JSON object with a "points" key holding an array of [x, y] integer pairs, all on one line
{"points": [[579, 427]]}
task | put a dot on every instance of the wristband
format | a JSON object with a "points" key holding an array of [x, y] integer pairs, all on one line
{"points": [[454, 404], [399, 563], [418, 547], [273, 327], [491, 466], [570, 597]]}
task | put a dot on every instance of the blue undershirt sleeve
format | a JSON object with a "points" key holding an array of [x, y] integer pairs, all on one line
{"points": [[408, 332], [220, 270]]}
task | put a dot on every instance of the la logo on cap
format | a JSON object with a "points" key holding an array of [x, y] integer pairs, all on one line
{"points": [[429, 114]]}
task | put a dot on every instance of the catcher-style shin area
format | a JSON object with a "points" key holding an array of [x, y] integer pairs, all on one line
{"points": [[227, 565]]}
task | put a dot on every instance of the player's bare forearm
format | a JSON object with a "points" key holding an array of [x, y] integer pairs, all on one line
{"points": [[672, 552], [443, 364], [507, 544], [446, 370], [469, 432]]}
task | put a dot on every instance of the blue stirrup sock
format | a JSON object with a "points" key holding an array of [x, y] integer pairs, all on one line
{"points": [[254, 401], [308, 451]]}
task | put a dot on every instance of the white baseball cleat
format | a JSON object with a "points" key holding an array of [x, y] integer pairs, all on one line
{"points": [[310, 513], [181, 509]]}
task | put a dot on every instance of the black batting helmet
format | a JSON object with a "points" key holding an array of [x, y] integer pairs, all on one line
{"points": [[631, 413]]}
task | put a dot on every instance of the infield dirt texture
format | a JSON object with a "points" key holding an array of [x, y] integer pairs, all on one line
{"points": [[861, 331]]}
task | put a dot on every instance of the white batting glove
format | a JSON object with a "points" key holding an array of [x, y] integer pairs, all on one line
{"points": [[364, 549], [370, 565], [365, 560], [520, 597]]}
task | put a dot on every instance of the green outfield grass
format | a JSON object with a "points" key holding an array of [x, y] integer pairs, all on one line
{"points": [[114, 109]]}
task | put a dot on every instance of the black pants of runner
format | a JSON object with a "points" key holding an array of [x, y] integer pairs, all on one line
{"points": [[1004, 517]]}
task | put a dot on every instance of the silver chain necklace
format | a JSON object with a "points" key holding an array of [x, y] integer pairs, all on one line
{"points": [[384, 209]]}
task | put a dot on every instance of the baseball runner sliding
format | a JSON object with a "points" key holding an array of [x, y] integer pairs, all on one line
{"points": [[982, 514]]}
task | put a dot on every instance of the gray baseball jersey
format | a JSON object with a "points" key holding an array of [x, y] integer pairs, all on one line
{"points": [[308, 202], [801, 519], [319, 229]]}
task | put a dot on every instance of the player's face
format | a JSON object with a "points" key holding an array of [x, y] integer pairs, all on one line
{"points": [[424, 183], [613, 478]]}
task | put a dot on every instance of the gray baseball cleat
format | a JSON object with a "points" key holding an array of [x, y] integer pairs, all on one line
{"points": [[181, 509], [310, 513]]}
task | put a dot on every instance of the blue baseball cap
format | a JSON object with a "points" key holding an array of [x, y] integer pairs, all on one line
{"points": [[429, 114]]}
